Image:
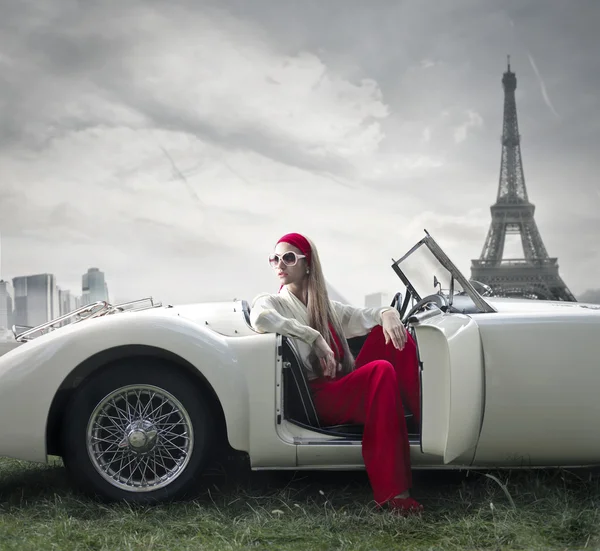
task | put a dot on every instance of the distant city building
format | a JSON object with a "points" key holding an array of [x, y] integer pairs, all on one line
{"points": [[10, 312], [377, 300], [93, 287], [36, 299], [68, 301], [6, 304]]}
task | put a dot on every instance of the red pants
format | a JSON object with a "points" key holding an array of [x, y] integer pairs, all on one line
{"points": [[373, 395]]}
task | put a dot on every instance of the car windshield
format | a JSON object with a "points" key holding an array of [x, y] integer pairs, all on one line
{"points": [[426, 270]]}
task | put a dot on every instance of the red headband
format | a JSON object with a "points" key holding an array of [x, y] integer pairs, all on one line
{"points": [[300, 242]]}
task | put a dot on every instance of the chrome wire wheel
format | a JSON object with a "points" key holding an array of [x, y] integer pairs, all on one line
{"points": [[140, 438]]}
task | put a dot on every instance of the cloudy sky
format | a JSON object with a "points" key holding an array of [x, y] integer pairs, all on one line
{"points": [[171, 143]]}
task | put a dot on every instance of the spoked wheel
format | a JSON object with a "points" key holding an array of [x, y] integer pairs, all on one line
{"points": [[140, 438], [137, 433]]}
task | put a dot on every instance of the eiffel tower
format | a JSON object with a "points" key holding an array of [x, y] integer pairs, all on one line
{"points": [[535, 275]]}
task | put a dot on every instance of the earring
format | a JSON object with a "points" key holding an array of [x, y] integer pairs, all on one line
{"points": [[308, 271]]}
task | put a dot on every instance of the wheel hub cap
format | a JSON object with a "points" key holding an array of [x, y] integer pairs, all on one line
{"points": [[141, 437]]}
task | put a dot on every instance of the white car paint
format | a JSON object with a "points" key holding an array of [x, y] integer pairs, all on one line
{"points": [[502, 388], [542, 383], [452, 386], [31, 374]]}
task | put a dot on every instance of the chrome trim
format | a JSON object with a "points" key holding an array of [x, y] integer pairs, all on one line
{"points": [[93, 310], [311, 441], [302, 441]]}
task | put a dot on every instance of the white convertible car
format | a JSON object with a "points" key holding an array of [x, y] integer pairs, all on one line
{"points": [[135, 398]]}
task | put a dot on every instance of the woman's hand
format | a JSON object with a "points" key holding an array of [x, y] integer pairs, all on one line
{"points": [[393, 329], [326, 357]]}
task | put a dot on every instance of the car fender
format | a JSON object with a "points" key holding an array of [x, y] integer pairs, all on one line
{"points": [[542, 379], [31, 374]]}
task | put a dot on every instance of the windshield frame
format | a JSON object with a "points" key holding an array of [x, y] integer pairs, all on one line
{"points": [[443, 259]]}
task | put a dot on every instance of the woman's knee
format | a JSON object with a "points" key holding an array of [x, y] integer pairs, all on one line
{"points": [[382, 370], [376, 331]]}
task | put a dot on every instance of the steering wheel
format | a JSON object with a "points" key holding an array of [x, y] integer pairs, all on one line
{"points": [[439, 300]]}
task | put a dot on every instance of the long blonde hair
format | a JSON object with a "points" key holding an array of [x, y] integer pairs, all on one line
{"points": [[320, 313]]}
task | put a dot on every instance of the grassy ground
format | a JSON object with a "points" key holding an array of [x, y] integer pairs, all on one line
{"points": [[534, 510]]}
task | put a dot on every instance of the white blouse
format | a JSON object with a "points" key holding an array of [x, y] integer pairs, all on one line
{"points": [[284, 313]]}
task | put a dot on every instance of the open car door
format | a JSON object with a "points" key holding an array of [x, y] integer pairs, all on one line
{"points": [[450, 350], [452, 386]]}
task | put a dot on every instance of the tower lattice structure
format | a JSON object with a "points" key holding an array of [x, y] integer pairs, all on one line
{"points": [[535, 274]]}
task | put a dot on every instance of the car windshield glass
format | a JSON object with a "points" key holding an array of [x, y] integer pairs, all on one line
{"points": [[426, 261], [427, 274]]}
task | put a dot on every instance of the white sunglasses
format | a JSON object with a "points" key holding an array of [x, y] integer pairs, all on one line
{"points": [[289, 259]]}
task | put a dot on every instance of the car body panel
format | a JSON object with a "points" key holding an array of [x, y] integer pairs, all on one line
{"points": [[542, 385], [31, 373], [225, 318], [8, 346], [452, 381], [315, 451]]}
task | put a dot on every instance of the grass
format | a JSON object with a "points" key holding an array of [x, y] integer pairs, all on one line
{"points": [[554, 509]]}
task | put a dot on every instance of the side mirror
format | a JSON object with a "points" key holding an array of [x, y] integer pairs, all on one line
{"points": [[436, 283]]}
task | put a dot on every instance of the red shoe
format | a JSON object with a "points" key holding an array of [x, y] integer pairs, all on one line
{"points": [[405, 506]]}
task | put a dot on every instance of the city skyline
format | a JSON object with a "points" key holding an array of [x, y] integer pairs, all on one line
{"points": [[33, 299], [84, 286], [174, 145]]}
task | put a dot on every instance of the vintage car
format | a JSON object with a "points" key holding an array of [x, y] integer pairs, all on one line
{"points": [[137, 397]]}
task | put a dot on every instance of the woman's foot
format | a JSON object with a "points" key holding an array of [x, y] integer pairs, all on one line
{"points": [[405, 506]]}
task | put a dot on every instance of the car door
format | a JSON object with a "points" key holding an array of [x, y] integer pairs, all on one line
{"points": [[452, 386]]}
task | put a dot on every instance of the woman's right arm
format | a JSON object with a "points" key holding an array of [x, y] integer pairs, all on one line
{"points": [[265, 318]]}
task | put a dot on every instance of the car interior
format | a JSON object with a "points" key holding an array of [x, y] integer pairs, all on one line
{"points": [[298, 406]]}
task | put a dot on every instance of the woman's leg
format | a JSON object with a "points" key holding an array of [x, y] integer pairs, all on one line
{"points": [[369, 396], [405, 362]]}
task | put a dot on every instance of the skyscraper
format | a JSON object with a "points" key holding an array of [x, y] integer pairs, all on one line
{"points": [[36, 299], [68, 302], [6, 305], [93, 287], [5, 298]]}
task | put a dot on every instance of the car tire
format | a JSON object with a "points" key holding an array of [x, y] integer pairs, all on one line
{"points": [[148, 443]]}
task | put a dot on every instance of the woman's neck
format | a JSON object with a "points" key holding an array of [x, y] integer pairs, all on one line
{"points": [[300, 291]]}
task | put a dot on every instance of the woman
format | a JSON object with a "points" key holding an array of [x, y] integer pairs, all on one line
{"points": [[368, 391]]}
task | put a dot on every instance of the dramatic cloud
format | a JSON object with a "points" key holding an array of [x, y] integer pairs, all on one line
{"points": [[170, 145], [473, 121], [542, 85]]}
